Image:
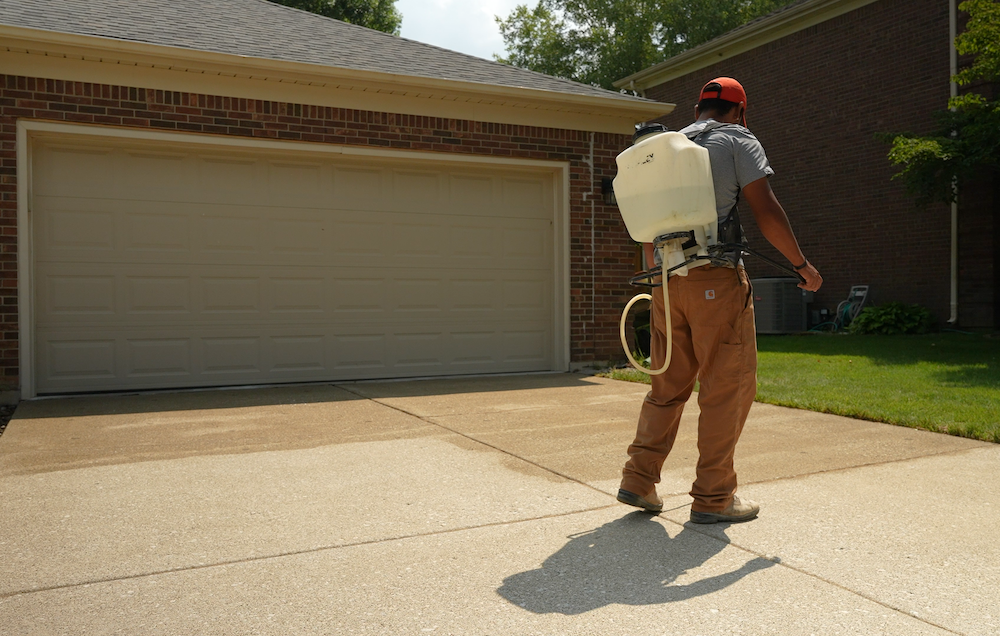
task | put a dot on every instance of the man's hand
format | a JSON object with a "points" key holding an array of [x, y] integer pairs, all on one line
{"points": [[813, 279]]}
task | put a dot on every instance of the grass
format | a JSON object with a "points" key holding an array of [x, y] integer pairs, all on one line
{"points": [[947, 382]]}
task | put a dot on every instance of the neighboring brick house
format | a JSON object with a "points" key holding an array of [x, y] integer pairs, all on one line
{"points": [[235, 192], [823, 78]]}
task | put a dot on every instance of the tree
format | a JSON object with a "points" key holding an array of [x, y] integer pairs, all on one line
{"points": [[966, 142], [600, 41], [380, 15]]}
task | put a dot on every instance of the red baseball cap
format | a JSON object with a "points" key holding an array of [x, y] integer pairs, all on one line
{"points": [[728, 89]]}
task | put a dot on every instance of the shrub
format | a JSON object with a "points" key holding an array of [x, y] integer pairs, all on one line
{"points": [[892, 318]]}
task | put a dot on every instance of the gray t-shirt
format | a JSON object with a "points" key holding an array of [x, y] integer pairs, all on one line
{"points": [[737, 159]]}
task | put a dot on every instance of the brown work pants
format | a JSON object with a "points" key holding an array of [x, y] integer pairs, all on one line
{"points": [[714, 341]]}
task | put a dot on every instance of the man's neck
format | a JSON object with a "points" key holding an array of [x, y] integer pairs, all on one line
{"points": [[728, 118]]}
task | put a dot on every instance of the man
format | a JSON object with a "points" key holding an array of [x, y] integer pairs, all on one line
{"points": [[714, 338]]}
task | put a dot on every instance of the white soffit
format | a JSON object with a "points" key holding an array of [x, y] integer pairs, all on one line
{"points": [[52, 55]]}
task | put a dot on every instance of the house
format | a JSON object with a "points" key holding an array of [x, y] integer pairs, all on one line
{"points": [[234, 192], [823, 79]]}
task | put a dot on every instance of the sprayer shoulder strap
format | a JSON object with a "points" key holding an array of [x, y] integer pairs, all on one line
{"points": [[710, 126], [727, 231]]}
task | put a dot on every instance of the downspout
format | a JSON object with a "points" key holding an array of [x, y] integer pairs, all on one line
{"points": [[593, 242], [588, 197], [953, 33]]}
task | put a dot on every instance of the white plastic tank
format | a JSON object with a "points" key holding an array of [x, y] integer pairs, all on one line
{"points": [[664, 185]]}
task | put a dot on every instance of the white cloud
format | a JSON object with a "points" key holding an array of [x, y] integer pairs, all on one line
{"points": [[460, 25]]}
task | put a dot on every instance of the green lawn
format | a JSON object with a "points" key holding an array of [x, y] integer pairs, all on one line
{"points": [[946, 382]]}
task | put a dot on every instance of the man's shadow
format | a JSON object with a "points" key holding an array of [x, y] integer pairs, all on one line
{"points": [[629, 561]]}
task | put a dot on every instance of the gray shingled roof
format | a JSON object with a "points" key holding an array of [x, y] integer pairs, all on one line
{"points": [[262, 29]]}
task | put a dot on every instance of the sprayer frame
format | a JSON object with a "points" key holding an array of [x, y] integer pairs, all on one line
{"points": [[645, 279], [715, 256]]}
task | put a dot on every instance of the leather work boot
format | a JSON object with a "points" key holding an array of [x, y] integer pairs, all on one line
{"points": [[735, 512], [649, 503]]}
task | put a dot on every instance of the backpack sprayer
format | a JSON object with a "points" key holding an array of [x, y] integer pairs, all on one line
{"points": [[666, 196]]}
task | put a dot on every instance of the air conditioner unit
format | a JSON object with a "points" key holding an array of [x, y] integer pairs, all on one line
{"points": [[779, 305]]}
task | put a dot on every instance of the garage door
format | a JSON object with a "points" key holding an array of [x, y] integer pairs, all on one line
{"points": [[159, 265]]}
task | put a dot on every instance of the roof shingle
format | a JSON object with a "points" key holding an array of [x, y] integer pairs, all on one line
{"points": [[262, 29]]}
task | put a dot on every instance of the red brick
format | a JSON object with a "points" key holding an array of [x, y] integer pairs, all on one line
{"points": [[594, 308]]}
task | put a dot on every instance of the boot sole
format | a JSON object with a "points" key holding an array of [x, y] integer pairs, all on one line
{"points": [[632, 499], [715, 517]]}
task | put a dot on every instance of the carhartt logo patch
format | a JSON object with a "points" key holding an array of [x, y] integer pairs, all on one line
{"points": [[709, 294]]}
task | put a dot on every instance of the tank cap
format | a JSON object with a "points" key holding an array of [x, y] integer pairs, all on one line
{"points": [[647, 130]]}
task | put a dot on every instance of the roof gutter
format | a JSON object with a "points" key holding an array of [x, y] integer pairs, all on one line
{"points": [[104, 49], [740, 40]]}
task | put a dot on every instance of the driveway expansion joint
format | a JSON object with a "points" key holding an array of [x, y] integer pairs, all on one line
{"points": [[700, 530], [293, 553], [888, 462], [706, 532], [432, 422]]}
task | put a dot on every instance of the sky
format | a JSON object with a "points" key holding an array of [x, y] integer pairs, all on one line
{"points": [[467, 26]]}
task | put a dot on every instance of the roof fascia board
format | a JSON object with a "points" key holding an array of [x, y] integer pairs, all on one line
{"points": [[741, 40], [368, 98], [122, 52]]}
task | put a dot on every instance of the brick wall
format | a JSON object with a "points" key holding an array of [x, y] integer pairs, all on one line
{"points": [[817, 99], [601, 254]]}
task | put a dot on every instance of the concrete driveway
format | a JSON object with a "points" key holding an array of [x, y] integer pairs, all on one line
{"points": [[477, 506]]}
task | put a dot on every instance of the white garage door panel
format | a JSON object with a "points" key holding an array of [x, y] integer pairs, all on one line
{"points": [[164, 267], [143, 232], [134, 295], [83, 169], [239, 355]]}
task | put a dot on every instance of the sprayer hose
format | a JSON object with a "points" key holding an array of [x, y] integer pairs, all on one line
{"points": [[666, 315]]}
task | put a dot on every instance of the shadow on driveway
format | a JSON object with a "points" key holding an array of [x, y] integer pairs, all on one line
{"points": [[629, 561]]}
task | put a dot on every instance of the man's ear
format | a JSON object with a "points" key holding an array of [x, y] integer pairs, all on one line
{"points": [[697, 112]]}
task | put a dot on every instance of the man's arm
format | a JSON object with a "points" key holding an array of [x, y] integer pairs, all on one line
{"points": [[773, 224]]}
